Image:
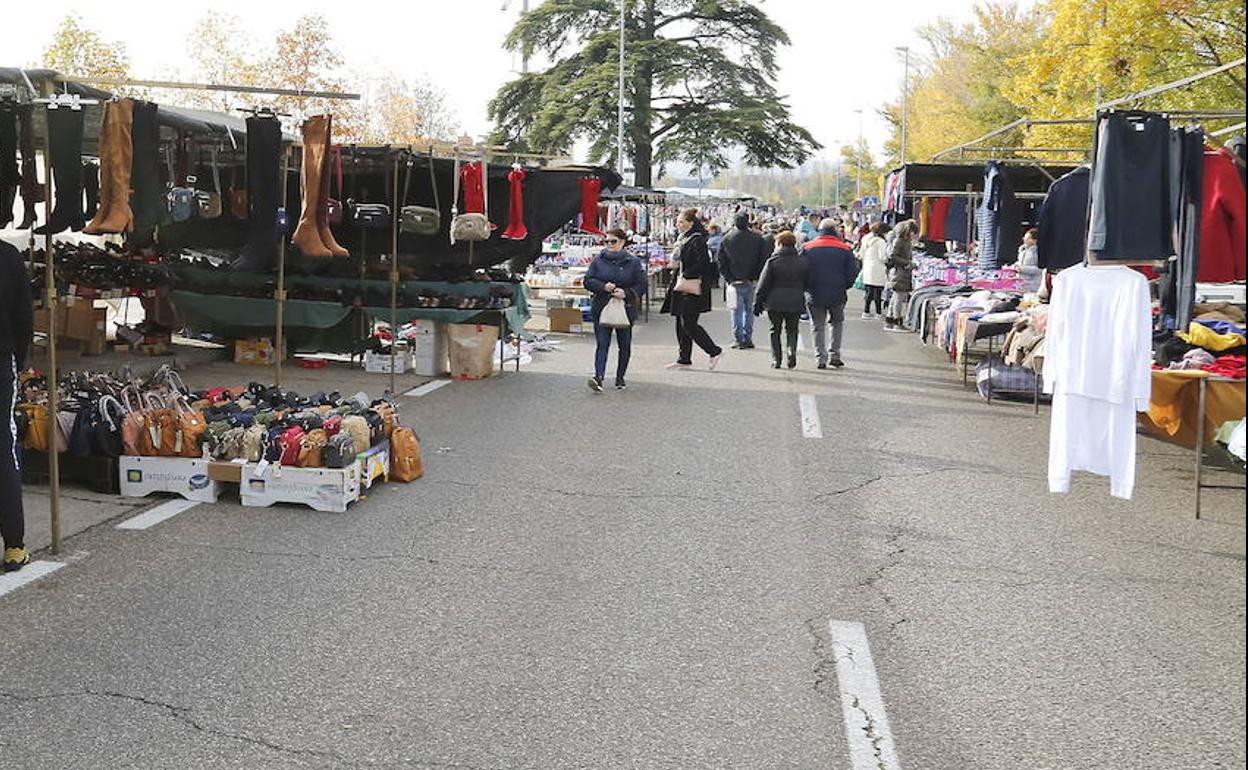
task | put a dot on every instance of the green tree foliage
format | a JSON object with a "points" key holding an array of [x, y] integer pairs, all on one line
{"points": [[76, 50], [699, 81]]}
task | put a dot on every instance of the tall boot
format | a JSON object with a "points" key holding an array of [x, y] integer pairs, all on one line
{"points": [[147, 180], [322, 209], [9, 174], [307, 237], [65, 137], [264, 152], [32, 191], [116, 160], [91, 187]]}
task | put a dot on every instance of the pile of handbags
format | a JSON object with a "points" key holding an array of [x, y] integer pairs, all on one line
{"points": [[111, 416]]}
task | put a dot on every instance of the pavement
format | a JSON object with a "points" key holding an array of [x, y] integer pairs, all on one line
{"points": [[649, 579]]}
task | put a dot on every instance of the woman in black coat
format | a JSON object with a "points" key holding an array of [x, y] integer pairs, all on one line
{"points": [[694, 263], [782, 292]]}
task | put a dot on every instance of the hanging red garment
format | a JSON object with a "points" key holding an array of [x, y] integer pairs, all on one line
{"points": [[1222, 221], [936, 221], [591, 187], [470, 178], [515, 210]]}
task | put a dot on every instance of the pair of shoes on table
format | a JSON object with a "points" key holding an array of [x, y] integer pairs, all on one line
{"points": [[15, 559]]}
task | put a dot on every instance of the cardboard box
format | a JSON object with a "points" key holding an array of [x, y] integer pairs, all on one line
{"points": [[374, 464], [472, 350], [141, 476], [226, 471], [379, 363], [41, 320], [322, 489], [254, 352], [562, 319], [84, 322]]}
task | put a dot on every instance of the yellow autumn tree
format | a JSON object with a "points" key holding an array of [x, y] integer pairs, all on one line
{"points": [[1112, 49], [220, 52], [76, 50]]}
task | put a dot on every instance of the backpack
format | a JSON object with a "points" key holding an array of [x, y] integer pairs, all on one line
{"points": [[312, 448], [405, 462], [291, 444], [361, 432], [253, 443], [376, 427], [389, 416], [331, 426], [230, 446], [340, 451], [273, 443]]}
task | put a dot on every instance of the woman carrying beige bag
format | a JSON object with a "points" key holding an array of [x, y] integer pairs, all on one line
{"points": [[689, 296]]}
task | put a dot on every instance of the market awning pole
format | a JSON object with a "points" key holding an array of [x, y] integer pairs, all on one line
{"points": [[279, 338], [50, 308], [394, 270]]}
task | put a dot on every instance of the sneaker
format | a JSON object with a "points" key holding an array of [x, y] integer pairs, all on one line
{"points": [[621, 385], [775, 365], [677, 365], [595, 384], [714, 362], [837, 362], [895, 329], [821, 365], [15, 559], [792, 360], [735, 346], [866, 317], [747, 345]]}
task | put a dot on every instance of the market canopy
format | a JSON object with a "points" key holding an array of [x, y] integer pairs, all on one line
{"points": [[923, 178]]}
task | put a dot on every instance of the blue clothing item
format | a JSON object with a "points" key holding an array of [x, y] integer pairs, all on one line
{"points": [[742, 313], [1063, 240], [955, 221], [622, 269], [1000, 226], [1219, 326], [624, 336], [833, 268]]}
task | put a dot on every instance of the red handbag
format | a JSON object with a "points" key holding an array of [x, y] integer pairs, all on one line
{"points": [[332, 425], [291, 441]]}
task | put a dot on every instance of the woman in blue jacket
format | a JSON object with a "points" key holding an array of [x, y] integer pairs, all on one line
{"points": [[614, 273]]}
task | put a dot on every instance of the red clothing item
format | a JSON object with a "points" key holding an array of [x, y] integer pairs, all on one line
{"points": [[936, 220], [470, 178], [516, 229], [591, 187], [1227, 366], [1222, 222]]}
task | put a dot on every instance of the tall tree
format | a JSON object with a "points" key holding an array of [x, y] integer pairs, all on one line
{"points": [[699, 81], [305, 57], [222, 53], [77, 50], [1117, 48]]}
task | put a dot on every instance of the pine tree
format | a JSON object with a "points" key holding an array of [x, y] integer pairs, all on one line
{"points": [[699, 81]]}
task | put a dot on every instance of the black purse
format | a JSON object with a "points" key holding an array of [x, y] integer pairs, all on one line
{"points": [[373, 216], [106, 427]]}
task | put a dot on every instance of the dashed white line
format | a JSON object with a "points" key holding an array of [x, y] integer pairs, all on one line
{"points": [[870, 738], [11, 581], [158, 514], [811, 428], [427, 388]]}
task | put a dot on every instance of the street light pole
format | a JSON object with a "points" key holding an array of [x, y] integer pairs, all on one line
{"points": [[620, 116], [905, 102], [858, 159]]}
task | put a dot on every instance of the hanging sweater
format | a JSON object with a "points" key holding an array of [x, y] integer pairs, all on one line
{"points": [[1222, 221]]}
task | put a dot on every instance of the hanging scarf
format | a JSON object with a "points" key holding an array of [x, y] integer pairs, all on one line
{"points": [[471, 178], [591, 186], [515, 212]]}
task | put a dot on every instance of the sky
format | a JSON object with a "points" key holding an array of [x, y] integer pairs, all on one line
{"points": [[842, 58]]}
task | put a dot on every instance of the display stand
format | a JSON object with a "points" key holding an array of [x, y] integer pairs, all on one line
{"points": [[1200, 441]]}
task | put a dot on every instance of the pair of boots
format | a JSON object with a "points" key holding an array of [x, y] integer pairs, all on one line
{"points": [[312, 236], [116, 158], [65, 138]]}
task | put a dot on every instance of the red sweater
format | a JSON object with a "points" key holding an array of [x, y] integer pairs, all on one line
{"points": [[1222, 223]]}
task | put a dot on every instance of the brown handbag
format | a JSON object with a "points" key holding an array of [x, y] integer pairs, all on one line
{"points": [[189, 428], [405, 460], [311, 449], [237, 196]]}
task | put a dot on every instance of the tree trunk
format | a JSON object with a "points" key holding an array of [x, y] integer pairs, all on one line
{"points": [[643, 91]]}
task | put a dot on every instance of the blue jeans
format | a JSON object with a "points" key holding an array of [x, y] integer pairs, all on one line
{"points": [[623, 335], [743, 313]]}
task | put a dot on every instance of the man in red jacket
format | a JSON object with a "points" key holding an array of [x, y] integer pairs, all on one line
{"points": [[833, 268]]}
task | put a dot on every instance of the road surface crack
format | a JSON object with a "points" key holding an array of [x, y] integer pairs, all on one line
{"points": [[825, 661], [873, 735]]}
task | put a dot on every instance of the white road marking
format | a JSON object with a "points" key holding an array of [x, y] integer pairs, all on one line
{"points": [[811, 427], [870, 739], [427, 388], [11, 581], [158, 514]]}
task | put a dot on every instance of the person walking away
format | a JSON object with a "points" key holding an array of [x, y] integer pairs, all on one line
{"points": [[693, 264], [901, 275], [833, 269], [873, 251], [782, 293], [741, 257], [614, 274], [16, 329]]}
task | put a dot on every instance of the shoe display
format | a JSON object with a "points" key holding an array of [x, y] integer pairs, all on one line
{"points": [[595, 384], [15, 559], [714, 362]]}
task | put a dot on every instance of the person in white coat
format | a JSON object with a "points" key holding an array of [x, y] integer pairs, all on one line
{"points": [[873, 252]]}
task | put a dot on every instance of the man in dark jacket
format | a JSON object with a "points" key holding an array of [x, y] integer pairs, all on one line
{"points": [[833, 268], [16, 327], [741, 256]]}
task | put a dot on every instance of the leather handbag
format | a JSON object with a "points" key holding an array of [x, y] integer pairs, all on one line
{"points": [[291, 443], [373, 216], [405, 461], [189, 427], [181, 197], [421, 220], [36, 426], [688, 285], [470, 226], [107, 433], [333, 207], [340, 451], [237, 196], [312, 448], [134, 424]]}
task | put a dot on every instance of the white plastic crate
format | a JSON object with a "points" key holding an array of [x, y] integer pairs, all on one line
{"points": [[187, 477], [322, 489]]}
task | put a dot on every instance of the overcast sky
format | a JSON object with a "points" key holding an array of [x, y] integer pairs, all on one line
{"points": [[841, 60]]}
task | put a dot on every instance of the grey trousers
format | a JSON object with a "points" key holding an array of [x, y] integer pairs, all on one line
{"points": [[820, 318]]}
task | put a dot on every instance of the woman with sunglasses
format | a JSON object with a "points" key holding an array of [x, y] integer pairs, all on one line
{"points": [[614, 273]]}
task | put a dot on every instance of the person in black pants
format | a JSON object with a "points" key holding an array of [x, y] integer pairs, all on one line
{"points": [[782, 293], [694, 260], [16, 327]]}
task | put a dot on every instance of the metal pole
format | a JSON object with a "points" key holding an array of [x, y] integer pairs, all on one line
{"points": [[620, 136], [50, 306], [858, 160], [905, 103], [279, 338], [394, 271], [1200, 442]]}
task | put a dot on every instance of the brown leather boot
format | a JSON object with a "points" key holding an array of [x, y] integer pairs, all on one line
{"points": [[322, 210], [116, 159], [307, 237]]}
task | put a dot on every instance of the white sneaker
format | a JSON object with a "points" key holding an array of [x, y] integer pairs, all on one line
{"points": [[865, 317], [714, 362], [677, 365]]}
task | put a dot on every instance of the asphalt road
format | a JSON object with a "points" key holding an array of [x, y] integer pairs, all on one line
{"points": [[646, 580]]}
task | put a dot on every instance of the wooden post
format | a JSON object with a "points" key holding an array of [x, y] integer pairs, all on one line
{"points": [[50, 306], [279, 296]]}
